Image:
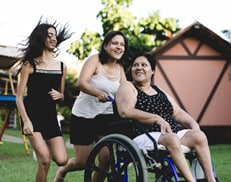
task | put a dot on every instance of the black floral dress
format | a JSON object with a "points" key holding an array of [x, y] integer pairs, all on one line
{"points": [[156, 104]]}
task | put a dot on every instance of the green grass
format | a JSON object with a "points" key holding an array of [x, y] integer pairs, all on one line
{"points": [[17, 166], [222, 161]]}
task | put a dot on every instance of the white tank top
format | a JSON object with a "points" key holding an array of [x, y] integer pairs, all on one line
{"points": [[88, 106]]}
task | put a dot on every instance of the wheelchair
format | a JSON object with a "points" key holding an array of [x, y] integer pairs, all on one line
{"points": [[129, 163]]}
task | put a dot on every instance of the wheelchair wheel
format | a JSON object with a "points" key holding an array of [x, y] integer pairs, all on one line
{"points": [[126, 161], [167, 171]]}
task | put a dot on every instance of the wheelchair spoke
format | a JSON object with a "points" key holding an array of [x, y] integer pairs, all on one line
{"points": [[126, 163]]}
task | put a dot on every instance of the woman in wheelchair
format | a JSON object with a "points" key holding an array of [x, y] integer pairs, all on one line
{"points": [[160, 115]]}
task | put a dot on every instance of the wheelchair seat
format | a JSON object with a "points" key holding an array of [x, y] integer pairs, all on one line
{"points": [[145, 143]]}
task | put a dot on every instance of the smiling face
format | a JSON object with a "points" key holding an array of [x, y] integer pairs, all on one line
{"points": [[141, 70], [51, 40], [115, 47]]}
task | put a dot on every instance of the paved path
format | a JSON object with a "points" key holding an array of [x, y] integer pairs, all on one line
{"points": [[12, 139]]}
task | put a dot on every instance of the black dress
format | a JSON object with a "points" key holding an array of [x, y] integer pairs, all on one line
{"points": [[39, 105]]}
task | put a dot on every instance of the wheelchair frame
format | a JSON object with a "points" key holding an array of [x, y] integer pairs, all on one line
{"points": [[126, 159]]}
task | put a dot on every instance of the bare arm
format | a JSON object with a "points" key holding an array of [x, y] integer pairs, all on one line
{"points": [[25, 72], [186, 120], [126, 98], [181, 116], [89, 69]]}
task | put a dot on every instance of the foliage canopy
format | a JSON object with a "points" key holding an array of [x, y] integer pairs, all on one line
{"points": [[143, 34]]}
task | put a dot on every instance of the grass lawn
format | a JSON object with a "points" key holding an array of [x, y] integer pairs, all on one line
{"points": [[17, 166]]}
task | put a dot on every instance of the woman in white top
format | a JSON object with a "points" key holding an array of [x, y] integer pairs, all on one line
{"points": [[98, 82]]}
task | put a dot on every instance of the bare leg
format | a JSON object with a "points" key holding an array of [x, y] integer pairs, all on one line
{"points": [[43, 156], [103, 164], [196, 139], [77, 163], [172, 142], [58, 150]]}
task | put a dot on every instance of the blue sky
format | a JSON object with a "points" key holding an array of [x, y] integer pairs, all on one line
{"points": [[18, 17]]}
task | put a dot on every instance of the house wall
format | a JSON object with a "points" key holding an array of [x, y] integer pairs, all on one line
{"points": [[193, 72]]}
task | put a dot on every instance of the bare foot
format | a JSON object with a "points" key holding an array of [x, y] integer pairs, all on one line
{"points": [[59, 177]]}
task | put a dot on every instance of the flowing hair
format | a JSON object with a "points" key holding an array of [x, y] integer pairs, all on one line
{"points": [[35, 43]]}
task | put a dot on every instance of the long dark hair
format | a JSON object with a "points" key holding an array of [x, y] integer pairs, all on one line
{"points": [[35, 43], [103, 55]]}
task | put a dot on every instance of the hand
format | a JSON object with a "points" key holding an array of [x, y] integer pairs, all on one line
{"points": [[28, 128], [103, 97], [164, 126], [55, 95]]}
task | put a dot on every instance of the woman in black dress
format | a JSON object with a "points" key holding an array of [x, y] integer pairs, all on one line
{"points": [[42, 77]]}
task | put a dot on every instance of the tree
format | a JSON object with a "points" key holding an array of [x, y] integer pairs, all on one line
{"points": [[143, 34]]}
